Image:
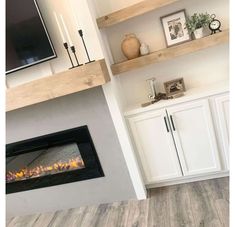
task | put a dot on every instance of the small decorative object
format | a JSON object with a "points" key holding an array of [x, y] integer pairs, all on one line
{"points": [[81, 35], [160, 96], [131, 46], [174, 28], [66, 46], [196, 24], [214, 25], [174, 88], [70, 42], [154, 96], [80, 32], [67, 49], [144, 49], [198, 33], [74, 52], [151, 83]]}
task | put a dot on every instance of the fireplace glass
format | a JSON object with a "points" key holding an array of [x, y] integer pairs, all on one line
{"points": [[58, 158], [44, 162]]}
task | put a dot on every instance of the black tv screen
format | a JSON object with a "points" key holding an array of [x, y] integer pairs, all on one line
{"points": [[27, 40]]}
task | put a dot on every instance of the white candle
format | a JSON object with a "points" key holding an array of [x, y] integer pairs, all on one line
{"points": [[60, 30], [66, 30], [78, 27]]}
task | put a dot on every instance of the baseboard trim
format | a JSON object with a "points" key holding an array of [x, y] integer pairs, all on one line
{"points": [[188, 179]]}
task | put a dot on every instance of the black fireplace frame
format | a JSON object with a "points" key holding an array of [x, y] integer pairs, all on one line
{"points": [[79, 135]]}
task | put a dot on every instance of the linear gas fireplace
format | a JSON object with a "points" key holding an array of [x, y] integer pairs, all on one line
{"points": [[53, 159]]}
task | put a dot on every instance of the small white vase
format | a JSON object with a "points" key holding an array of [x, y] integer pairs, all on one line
{"points": [[198, 33], [144, 49]]}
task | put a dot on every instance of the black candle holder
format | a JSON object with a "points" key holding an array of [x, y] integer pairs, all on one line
{"points": [[81, 35], [74, 52], [67, 49]]}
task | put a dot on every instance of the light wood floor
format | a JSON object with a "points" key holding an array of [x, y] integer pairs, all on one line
{"points": [[199, 204]]}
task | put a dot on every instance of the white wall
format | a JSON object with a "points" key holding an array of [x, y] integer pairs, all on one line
{"points": [[204, 67]]}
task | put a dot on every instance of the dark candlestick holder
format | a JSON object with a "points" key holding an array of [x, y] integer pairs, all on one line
{"points": [[74, 52], [67, 49], [81, 35]]}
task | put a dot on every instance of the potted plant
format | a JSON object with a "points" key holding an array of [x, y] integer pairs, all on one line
{"points": [[197, 22]]}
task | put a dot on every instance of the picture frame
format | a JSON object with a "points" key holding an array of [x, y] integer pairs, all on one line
{"points": [[174, 87], [175, 30]]}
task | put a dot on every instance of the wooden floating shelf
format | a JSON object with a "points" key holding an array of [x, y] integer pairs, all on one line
{"points": [[132, 11], [57, 85], [171, 52]]}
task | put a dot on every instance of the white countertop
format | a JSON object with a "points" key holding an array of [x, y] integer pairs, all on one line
{"points": [[190, 94]]}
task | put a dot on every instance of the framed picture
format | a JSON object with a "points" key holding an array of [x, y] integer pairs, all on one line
{"points": [[174, 87], [175, 29]]}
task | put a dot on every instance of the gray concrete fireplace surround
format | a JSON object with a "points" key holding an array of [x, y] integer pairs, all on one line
{"points": [[83, 108]]}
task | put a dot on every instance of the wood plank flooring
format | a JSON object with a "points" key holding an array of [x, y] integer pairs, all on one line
{"points": [[198, 204]]}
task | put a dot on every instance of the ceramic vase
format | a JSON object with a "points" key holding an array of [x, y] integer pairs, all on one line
{"points": [[198, 33], [131, 46]]}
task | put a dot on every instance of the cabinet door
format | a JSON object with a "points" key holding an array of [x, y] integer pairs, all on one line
{"points": [[194, 137], [155, 146], [222, 107]]}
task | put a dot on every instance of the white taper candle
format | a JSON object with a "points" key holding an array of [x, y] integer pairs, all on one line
{"points": [[66, 31], [75, 18], [60, 30]]}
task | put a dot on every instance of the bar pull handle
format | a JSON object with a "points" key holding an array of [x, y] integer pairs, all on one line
{"points": [[172, 123], [167, 128]]}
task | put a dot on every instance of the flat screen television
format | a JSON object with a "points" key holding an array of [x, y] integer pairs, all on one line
{"points": [[27, 40]]}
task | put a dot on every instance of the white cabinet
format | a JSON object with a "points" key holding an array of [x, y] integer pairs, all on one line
{"points": [[153, 140], [222, 115], [194, 136], [188, 148]]}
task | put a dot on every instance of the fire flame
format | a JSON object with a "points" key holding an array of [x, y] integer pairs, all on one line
{"points": [[26, 173]]}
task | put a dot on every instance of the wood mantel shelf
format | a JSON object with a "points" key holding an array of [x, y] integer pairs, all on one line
{"points": [[131, 11], [57, 85], [171, 52]]}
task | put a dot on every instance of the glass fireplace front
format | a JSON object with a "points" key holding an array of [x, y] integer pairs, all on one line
{"points": [[53, 159]]}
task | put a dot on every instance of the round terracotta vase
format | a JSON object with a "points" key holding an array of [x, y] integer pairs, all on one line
{"points": [[131, 46]]}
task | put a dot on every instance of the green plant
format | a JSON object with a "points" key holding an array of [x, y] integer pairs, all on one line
{"points": [[197, 21]]}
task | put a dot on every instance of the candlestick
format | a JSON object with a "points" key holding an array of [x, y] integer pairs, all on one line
{"points": [[60, 30], [67, 49], [74, 52], [81, 35], [66, 31]]}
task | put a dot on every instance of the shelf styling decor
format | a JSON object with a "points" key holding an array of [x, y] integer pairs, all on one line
{"points": [[151, 82], [214, 25], [131, 46], [80, 32], [64, 40], [196, 24], [144, 49], [174, 28], [174, 88], [173, 52]]}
